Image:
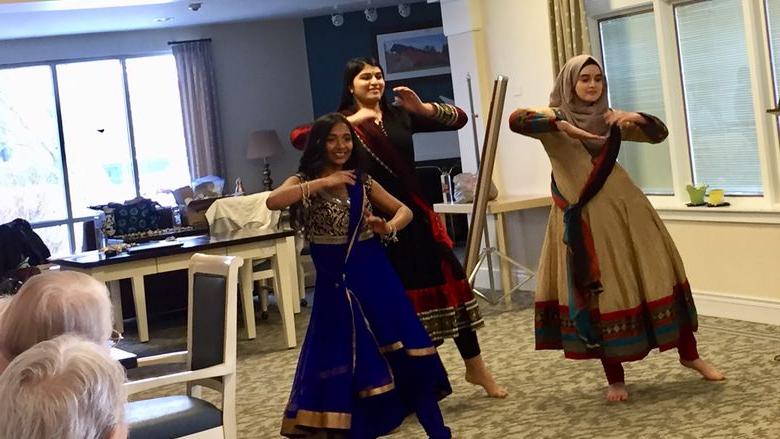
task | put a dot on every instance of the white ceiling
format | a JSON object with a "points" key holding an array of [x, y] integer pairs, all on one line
{"points": [[36, 18]]}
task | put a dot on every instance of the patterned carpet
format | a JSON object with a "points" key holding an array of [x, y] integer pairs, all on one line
{"points": [[549, 397]]}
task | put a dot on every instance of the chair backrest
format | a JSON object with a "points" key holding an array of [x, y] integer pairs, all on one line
{"points": [[211, 339]]}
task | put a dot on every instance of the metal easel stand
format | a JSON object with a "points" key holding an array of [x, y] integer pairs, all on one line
{"points": [[486, 255]]}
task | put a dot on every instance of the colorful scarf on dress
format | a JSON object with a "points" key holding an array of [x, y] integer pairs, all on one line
{"points": [[584, 277], [381, 149]]}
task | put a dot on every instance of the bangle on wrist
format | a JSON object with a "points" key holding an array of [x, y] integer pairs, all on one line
{"points": [[392, 236]]}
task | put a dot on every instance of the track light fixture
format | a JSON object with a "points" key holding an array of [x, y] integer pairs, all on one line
{"points": [[371, 14], [404, 10]]}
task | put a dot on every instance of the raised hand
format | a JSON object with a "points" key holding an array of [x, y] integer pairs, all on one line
{"points": [[362, 115], [338, 178], [578, 133], [407, 99], [620, 117]]}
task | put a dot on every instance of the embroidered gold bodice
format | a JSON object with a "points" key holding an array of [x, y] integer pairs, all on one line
{"points": [[326, 219]]}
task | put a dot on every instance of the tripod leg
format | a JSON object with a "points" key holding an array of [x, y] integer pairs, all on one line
{"points": [[506, 274], [488, 249], [484, 254], [473, 273]]}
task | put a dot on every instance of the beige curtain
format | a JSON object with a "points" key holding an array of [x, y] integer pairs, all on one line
{"points": [[568, 31], [200, 110]]}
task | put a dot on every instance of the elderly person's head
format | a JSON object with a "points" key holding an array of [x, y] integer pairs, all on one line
{"points": [[4, 301], [51, 304], [67, 388]]}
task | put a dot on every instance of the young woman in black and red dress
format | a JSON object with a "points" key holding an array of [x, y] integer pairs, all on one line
{"points": [[422, 255]]}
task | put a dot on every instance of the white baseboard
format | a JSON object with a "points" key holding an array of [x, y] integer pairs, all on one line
{"points": [[728, 306], [750, 309]]}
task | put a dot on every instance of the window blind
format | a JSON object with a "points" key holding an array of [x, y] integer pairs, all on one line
{"points": [[718, 98], [630, 53]]}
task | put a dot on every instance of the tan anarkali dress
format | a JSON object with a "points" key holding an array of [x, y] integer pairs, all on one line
{"points": [[645, 299]]}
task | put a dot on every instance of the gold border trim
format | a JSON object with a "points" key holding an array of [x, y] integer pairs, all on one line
{"points": [[391, 347], [412, 352], [374, 391], [421, 352], [307, 418]]}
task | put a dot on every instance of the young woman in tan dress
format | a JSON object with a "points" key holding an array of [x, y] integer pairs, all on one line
{"points": [[611, 285]]}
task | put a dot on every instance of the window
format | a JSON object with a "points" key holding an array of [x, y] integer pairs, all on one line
{"points": [[157, 125], [30, 158], [31, 171], [773, 23], [630, 55], [110, 149], [699, 66], [94, 125], [718, 99]]}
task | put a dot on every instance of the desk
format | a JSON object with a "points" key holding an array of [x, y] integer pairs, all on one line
{"points": [[247, 244], [498, 208]]}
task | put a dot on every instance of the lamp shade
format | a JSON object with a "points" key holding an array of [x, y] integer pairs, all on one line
{"points": [[263, 144]]}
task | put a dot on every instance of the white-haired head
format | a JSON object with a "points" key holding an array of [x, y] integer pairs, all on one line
{"points": [[67, 388], [51, 304], [4, 301]]}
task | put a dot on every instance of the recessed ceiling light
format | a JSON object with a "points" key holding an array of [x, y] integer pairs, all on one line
{"points": [[371, 14], [163, 19]]}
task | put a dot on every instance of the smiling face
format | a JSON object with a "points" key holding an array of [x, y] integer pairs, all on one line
{"points": [[368, 86], [338, 145], [590, 84]]}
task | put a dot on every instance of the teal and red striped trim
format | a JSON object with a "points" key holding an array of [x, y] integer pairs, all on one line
{"points": [[627, 335]]}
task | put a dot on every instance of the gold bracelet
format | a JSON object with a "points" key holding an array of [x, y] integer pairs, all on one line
{"points": [[305, 194]]}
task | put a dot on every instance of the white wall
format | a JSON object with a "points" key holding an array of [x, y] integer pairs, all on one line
{"points": [[261, 70], [433, 146], [505, 37]]}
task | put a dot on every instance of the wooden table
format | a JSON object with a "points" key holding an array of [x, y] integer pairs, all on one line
{"points": [[247, 244], [498, 208]]}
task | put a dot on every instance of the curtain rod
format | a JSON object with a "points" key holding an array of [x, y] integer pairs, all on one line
{"points": [[188, 41]]}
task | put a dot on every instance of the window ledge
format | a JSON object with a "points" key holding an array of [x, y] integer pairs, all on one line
{"points": [[727, 214]]}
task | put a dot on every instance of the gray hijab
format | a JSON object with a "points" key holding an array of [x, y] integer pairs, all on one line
{"points": [[589, 117]]}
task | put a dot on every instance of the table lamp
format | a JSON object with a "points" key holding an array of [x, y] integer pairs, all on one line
{"points": [[264, 144]]}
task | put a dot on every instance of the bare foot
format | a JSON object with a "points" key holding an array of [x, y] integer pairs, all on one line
{"points": [[617, 392], [478, 374], [707, 371]]}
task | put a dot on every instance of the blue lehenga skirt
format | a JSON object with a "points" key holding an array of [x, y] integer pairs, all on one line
{"points": [[366, 362]]}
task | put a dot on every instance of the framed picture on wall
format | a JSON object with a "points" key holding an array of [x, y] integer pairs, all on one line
{"points": [[413, 54]]}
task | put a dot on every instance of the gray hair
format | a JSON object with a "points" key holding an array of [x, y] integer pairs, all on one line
{"points": [[54, 303], [4, 301], [66, 388]]}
